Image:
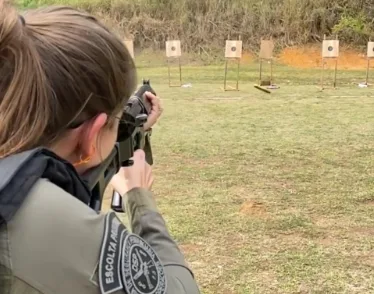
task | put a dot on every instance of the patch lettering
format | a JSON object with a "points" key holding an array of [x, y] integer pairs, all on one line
{"points": [[110, 256], [142, 271]]}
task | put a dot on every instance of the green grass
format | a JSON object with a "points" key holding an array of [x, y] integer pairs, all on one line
{"points": [[268, 193]]}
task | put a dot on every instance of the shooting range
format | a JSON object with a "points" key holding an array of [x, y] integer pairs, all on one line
{"points": [[330, 51], [233, 52], [130, 47], [174, 52], [370, 55]]}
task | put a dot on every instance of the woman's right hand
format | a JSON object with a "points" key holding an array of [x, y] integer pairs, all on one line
{"points": [[139, 175]]}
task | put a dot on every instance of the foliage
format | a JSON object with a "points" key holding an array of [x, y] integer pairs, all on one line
{"points": [[353, 29], [203, 25]]}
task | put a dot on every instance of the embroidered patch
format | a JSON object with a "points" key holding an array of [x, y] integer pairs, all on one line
{"points": [[142, 271], [110, 256]]}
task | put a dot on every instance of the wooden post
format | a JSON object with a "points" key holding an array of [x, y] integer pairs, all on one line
{"points": [[266, 53], [336, 71], [173, 51], [271, 72], [323, 70], [233, 51], [330, 50], [370, 55]]}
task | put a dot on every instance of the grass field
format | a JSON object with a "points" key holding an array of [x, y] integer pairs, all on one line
{"points": [[268, 193]]}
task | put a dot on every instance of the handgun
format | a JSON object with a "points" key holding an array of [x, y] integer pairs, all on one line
{"points": [[131, 137]]}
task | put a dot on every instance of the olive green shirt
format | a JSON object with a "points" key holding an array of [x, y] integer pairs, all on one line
{"points": [[52, 245]]}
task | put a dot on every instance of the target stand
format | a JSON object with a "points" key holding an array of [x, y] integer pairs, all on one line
{"points": [[174, 52], [233, 53], [330, 51], [370, 56], [266, 54]]}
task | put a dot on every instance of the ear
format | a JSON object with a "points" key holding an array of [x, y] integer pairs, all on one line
{"points": [[89, 134]]}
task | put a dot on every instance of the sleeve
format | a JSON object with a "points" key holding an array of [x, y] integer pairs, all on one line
{"points": [[146, 221], [55, 243]]}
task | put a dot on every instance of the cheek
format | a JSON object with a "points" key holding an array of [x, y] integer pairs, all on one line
{"points": [[107, 142]]}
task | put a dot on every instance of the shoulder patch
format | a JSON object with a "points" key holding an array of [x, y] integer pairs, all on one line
{"points": [[110, 256], [127, 262], [142, 270]]}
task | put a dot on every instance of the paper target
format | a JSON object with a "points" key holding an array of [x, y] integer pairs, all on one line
{"points": [[233, 49], [370, 50], [330, 48], [173, 48], [266, 49]]}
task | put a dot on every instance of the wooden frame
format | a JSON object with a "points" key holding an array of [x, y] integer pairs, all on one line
{"points": [[264, 83], [228, 88], [370, 55], [180, 72], [330, 50], [266, 54], [233, 52], [174, 51]]}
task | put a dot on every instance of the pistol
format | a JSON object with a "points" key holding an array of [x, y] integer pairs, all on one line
{"points": [[131, 137]]}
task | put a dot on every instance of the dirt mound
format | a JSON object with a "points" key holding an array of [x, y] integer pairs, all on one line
{"points": [[310, 57], [251, 207]]}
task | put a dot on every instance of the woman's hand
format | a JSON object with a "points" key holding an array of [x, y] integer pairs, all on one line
{"points": [[139, 175], [156, 110]]}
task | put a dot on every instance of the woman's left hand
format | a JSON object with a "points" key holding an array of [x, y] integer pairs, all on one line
{"points": [[156, 110]]}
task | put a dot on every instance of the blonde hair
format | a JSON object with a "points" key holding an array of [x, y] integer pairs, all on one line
{"points": [[58, 67]]}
